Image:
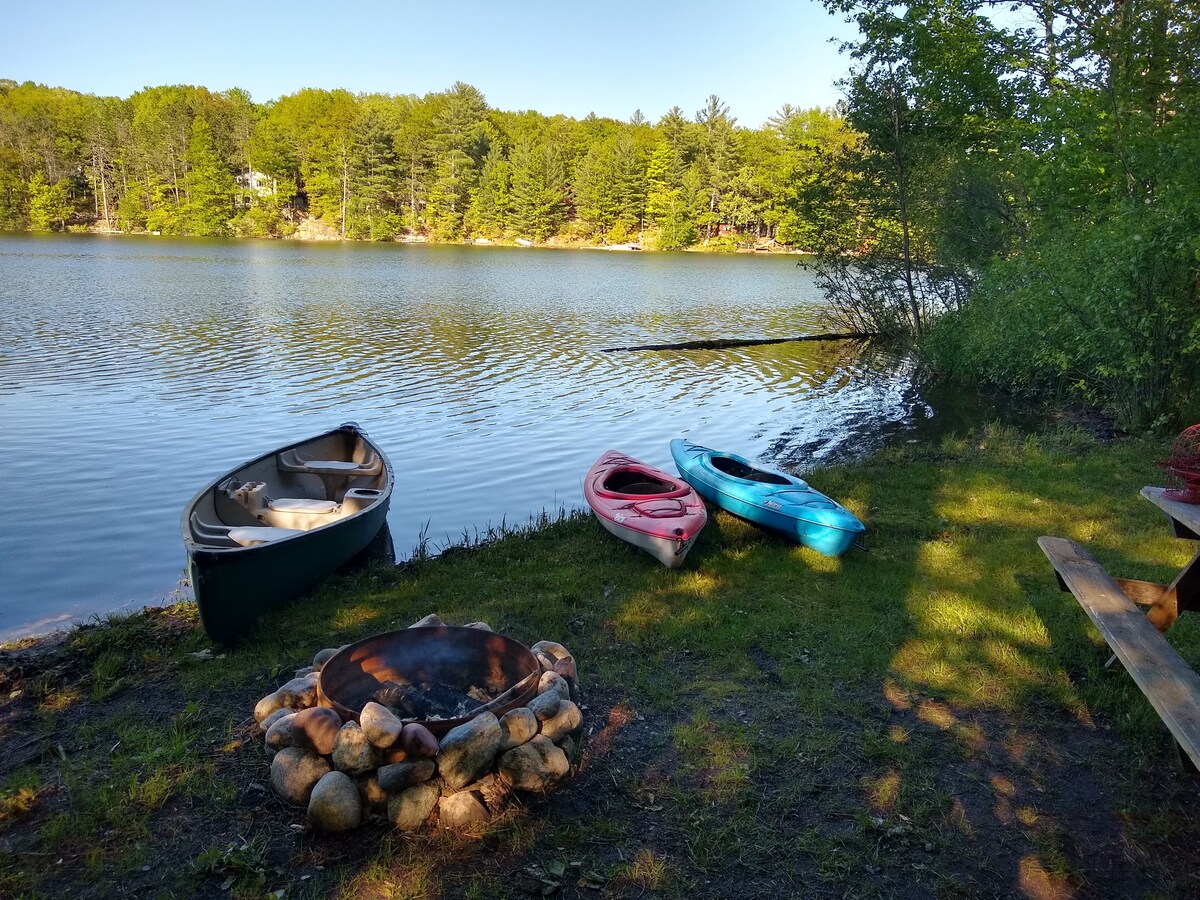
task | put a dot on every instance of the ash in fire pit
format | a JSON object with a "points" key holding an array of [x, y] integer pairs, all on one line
{"points": [[430, 700]]}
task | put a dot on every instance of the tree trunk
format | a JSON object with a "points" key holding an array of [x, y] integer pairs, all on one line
{"points": [[902, 199], [345, 189]]}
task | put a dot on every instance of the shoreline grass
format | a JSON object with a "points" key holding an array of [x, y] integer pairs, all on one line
{"points": [[931, 718]]}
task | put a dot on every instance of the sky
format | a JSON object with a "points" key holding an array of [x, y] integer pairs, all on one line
{"points": [[610, 58]]}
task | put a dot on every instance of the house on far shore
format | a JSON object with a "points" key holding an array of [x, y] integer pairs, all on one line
{"points": [[257, 183]]}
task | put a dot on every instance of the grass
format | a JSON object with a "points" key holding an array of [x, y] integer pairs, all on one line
{"points": [[931, 717]]}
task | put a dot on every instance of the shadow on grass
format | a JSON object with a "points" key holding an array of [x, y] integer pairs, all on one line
{"points": [[928, 719]]}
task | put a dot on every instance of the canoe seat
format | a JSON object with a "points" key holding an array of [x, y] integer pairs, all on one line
{"points": [[335, 474], [242, 536], [284, 512], [252, 535]]}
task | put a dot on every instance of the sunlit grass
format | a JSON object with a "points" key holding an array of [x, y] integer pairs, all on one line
{"points": [[766, 711]]}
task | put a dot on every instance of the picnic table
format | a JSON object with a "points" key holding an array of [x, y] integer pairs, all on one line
{"points": [[1139, 640]]}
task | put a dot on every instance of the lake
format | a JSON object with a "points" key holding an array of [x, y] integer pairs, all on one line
{"points": [[135, 370]]}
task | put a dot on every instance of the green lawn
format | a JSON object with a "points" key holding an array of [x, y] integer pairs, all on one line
{"points": [[928, 719]]}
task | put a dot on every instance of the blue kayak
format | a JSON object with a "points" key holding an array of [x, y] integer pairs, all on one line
{"points": [[772, 499]]}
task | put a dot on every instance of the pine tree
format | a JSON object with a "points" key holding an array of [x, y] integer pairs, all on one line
{"points": [[207, 207]]}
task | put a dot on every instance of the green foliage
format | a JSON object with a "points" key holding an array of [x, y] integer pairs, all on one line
{"points": [[49, 206], [1041, 181], [208, 186], [263, 219], [538, 187], [445, 166]]}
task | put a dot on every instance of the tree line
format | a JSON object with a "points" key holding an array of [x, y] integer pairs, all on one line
{"points": [[1011, 187], [1026, 195], [443, 167]]}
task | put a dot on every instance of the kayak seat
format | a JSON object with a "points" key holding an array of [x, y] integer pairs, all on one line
{"points": [[285, 512]]}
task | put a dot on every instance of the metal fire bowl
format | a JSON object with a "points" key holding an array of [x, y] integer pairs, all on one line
{"points": [[460, 658]]}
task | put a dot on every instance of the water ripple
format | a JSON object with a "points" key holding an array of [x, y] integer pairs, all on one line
{"points": [[135, 370]]}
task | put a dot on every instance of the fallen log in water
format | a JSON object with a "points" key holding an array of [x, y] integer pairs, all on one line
{"points": [[725, 343]]}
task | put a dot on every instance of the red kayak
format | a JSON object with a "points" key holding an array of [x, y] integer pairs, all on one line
{"points": [[645, 506]]}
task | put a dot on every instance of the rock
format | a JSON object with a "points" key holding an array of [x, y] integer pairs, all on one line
{"points": [[462, 810], [566, 668], [282, 732], [305, 670], [418, 740], [399, 776], [409, 809], [372, 793], [352, 752], [569, 747], [380, 725], [335, 804], [556, 658], [482, 626], [548, 653], [535, 766], [466, 752], [265, 725], [490, 790], [300, 693], [294, 773], [317, 728], [516, 727], [269, 704], [545, 706], [323, 656], [552, 681], [430, 621], [567, 720], [393, 755]]}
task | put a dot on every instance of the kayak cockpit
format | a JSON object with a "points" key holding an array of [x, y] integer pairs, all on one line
{"points": [[638, 481], [735, 468]]}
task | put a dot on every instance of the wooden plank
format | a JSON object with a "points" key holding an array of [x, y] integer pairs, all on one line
{"points": [[1147, 593], [1185, 517], [1170, 685]]}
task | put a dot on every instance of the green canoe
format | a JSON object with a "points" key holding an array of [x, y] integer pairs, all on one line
{"points": [[259, 536]]}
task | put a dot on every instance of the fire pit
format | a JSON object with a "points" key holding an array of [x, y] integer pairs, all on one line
{"points": [[431, 723], [499, 673]]}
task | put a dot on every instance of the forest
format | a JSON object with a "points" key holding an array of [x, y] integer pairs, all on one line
{"points": [[443, 167], [1010, 188], [1024, 204]]}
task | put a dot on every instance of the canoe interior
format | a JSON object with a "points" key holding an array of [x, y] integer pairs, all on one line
{"points": [[300, 488]]}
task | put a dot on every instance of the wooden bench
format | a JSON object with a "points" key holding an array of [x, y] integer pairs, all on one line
{"points": [[1170, 685]]}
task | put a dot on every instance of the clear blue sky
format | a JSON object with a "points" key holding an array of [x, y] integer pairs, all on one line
{"points": [[555, 57]]}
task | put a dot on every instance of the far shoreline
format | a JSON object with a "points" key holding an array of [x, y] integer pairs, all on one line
{"points": [[317, 232]]}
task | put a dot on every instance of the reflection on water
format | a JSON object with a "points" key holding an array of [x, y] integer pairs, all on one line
{"points": [[133, 371]]}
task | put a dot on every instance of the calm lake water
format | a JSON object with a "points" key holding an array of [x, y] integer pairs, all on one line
{"points": [[133, 371]]}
